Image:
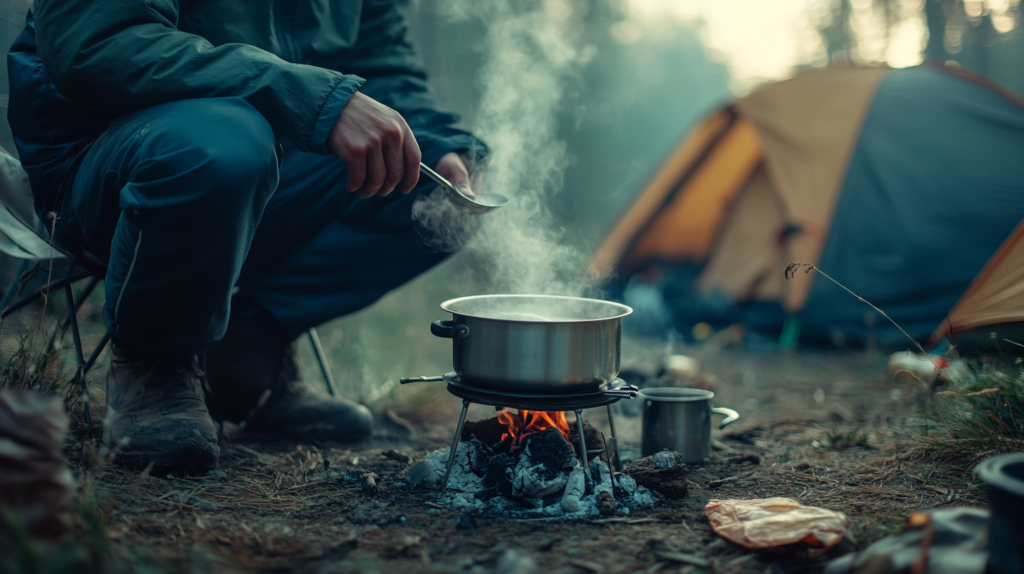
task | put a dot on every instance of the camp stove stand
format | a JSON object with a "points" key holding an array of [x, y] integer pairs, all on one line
{"points": [[576, 402]]}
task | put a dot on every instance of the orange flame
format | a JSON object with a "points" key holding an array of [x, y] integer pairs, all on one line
{"points": [[523, 423]]}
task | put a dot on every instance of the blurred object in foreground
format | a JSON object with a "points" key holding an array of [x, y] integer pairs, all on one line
{"points": [[681, 368], [770, 522], [684, 371], [35, 483], [907, 365], [943, 541], [927, 368]]}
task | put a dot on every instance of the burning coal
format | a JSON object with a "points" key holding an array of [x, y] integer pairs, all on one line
{"points": [[533, 468], [524, 423]]}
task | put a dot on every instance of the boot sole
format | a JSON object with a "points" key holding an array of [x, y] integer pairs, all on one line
{"points": [[188, 461]]}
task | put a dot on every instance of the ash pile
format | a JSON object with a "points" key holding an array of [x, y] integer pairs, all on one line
{"points": [[505, 467]]}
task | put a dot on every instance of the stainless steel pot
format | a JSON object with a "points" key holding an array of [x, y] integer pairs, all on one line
{"points": [[679, 419], [538, 344]]}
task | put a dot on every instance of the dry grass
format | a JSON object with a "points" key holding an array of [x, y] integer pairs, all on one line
{"points": [[282, 507], [984, 410]]}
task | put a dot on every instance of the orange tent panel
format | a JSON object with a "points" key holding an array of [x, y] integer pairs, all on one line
{"points": [[997, 294], [651, 198], [747, 251], [809, 126], [687, 225]]}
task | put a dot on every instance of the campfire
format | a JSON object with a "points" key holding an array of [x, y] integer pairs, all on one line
{"points": [[524, 423], [528, 462]]}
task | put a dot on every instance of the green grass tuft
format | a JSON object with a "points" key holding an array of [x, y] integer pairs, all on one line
{"points": [[985, 409], [844, 440]]}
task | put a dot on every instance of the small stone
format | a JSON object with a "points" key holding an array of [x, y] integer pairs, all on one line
{"points": [[664, 459], [422, 474], [669, 482], [515, 562], [466, 522]]}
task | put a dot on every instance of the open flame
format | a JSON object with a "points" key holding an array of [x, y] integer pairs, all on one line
{"points": [[518, 426]]}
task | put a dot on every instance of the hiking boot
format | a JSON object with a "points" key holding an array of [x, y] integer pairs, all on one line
{"points": [[156, 414], [255, 377]]}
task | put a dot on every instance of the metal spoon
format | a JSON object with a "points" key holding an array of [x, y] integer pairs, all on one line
{"points": [[479, 204]]}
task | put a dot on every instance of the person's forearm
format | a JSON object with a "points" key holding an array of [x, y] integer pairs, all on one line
{"points": [[126, 55]]}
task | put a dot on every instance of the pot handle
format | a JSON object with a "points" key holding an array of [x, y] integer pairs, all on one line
{"points": [[449, 330], [420, 380], [731, 416]]}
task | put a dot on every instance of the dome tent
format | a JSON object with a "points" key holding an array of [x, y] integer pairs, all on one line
{"points": [[900, 183]]}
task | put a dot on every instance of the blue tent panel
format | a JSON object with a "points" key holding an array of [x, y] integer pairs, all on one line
{"points": [[935, 185]]}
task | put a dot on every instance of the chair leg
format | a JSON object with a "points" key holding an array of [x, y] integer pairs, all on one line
{"points": [[321, 357], [96, 353], [82, 366], [80, 370], [86, 291], [35, 295]]}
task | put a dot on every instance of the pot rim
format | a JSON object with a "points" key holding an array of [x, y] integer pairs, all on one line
{"points": [[992, 471], [674, 394], [622, 309]]}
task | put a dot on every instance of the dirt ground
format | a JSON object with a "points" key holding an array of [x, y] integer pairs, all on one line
{"points": [[831, 430]]}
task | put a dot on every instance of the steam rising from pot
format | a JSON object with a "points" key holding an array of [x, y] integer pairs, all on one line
{"points": [[529, 58]]}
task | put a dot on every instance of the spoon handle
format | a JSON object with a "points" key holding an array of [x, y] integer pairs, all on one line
{"points": [[438, 179]]}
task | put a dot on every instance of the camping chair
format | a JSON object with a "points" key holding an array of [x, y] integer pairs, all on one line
{"points": [[24, 236]]}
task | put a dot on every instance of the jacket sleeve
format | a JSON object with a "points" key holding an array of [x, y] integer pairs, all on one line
{"points": [[126, 55], [385, 57]]}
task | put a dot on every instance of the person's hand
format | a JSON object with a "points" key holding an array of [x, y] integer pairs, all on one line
{"points": [[452, 168], [377, 146]]}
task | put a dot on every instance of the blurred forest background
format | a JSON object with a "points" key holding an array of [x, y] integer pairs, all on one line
{"points": [[656, 67]]}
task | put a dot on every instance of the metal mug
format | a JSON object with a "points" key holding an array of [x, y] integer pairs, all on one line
{"points": [[679, 419]]}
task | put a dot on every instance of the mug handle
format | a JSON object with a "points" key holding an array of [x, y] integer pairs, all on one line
{"points": [[731, 416]]}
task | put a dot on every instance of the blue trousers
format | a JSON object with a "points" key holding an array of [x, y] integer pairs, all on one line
{"points": [[191, 199]]}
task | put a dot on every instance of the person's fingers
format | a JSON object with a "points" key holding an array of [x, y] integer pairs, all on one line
{"points": [[412, 157], [454, 170], [394, 162], [463, 186], [375, 174], [356, 162]]}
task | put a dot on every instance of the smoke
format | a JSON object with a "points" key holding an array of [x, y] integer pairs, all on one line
{"points": [[529, 59]]}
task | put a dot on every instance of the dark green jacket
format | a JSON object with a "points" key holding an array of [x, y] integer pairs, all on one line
{"points": [[82, 63]]}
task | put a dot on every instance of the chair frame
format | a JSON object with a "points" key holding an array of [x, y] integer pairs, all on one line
{"points": [[83, 366]]}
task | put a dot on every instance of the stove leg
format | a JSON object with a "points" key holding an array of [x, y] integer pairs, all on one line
{"points": [[613, 455], [583, 442], [455, 444]]}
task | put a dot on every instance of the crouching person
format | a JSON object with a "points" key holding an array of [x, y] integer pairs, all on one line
{"points": [[230, 167]]}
